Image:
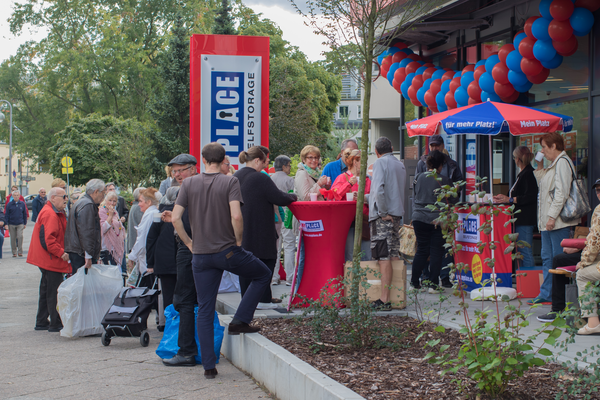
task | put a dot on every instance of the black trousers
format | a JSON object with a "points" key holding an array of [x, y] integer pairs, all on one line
{"points": [[168, 282], [559, 282], [77, 261], [107, 258], [430, 243], [48, 298], [184, 302], [267, 296]]}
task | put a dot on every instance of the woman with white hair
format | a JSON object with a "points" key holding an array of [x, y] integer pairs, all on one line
{"points": [[148, 202], [113, 232]]}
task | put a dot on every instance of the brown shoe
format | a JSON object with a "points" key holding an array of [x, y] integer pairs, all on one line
{"points": [[20, 255], [236, 329], [210, 373]]}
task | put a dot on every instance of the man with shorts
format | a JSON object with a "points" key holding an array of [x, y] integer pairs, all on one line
{"points": [[386, 210], [213, 201]]}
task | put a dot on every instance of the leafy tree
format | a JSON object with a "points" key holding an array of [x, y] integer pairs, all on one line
{"points": [[105, 147], [223, 20]]}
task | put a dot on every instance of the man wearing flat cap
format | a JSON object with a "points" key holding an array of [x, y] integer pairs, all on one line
{"points": [[452, 171], [184, 297]]}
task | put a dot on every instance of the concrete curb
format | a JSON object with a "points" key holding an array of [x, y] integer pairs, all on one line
{"points": [[282, 373]]}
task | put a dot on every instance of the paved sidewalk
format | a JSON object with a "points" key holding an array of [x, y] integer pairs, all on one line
{"points": [[43, 365]]}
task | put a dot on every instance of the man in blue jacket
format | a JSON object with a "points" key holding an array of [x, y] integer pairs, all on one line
{"points": [[16, 219], [336, 168], [37, 204]]}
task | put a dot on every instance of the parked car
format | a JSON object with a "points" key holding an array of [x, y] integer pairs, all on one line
{"points": [[29, 200]]}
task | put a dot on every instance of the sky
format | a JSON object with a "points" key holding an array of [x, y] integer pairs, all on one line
{"points": [[279, 11]]}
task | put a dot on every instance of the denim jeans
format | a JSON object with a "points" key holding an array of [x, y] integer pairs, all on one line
{"points": [[525, 234], [300, 265], [430, 243], [550, 249], [208, 270]]}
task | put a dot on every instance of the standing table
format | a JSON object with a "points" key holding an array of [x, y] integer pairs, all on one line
{"points": [[326, 225]]}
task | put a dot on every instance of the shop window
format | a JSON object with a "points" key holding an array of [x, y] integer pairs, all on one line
{"points": [[446, 60], [490, 47], [343, 111], [471, 54]]}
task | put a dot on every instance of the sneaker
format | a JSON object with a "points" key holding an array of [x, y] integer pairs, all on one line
{"points": [[433, 290], [539, 300], [275, 283], [266, 306], [547, 317], [288, 283], [446, 283], [589, 331], [381, 306]]}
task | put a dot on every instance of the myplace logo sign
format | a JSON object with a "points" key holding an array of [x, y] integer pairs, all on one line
{"points": [[312, 226], [468, 230]]}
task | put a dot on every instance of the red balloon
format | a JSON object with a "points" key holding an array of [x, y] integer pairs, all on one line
{"points": [[561, 10], [591, 5], [478, 72], [400, 75], [436, 86], [500, 73], [428, 72], [566, 48], [417, 82], [396, 84], [526, 47], [387, 62], [434, 109], [474, 101], [450, 101], [539, 78], [528, 24], [429, 65], [503, 90], [448, 75], [399, 56], [430, 99], [412, 93], [530, 67], [400, 46], [469, 67], [455, 84], [412, 67], [414, 57], [474, 90], [560, 31], [504, 51], [512, 98]]}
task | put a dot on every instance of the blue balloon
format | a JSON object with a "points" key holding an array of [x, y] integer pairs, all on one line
{"points": [[421, 62], [393, 50], [513, 61], [539, 28], [427, 83], [406, 84], [523, 88], [461, 96], [438, 74], [518, 39], [545, 9], [446, 85], [486, 82], [392, 71], [543, 50], [420, 70], [421, 96], [466, 79], [440, 100], [582, 21], [580, 34], [554, 63], [457, 74], [405, 62], [407, 51], [480, 63], [491, 62], [485, 96], [382, 56], [517, 78]]}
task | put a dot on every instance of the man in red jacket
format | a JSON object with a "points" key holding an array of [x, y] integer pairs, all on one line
{"points": [[47, 251]]}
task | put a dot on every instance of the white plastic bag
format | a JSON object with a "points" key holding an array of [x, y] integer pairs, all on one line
{"points": [[83, 299]]}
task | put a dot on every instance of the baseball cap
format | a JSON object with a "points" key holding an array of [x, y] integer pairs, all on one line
{"points": [[436, 139]]}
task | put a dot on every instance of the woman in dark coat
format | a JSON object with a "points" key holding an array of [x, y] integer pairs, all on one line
{"points": [[523, 195], [260, 196], [161, 248]]}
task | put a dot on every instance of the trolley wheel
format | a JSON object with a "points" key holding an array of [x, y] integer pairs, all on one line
{"points": [[144, 338], [105, 339]]}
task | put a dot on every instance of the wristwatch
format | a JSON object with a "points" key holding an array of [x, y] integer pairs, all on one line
{"points": [[511, 200]]}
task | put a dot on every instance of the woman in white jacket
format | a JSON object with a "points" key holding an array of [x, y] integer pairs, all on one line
{"points": [[148, 202], [554, 187]]}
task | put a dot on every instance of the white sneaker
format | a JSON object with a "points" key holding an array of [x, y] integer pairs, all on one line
{"points": [[288, 283], [435, 291], [274, 283], [266, 306]]}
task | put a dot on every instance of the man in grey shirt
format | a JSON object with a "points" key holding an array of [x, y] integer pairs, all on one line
{"points": [[386, 210]]}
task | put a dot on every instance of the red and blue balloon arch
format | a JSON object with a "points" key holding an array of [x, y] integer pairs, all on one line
{"points": [[514, 69]]}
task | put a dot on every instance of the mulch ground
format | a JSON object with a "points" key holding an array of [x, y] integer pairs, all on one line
{"points": [[387, 374]]}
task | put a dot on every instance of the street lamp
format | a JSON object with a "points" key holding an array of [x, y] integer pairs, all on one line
{"points": [[10, 139]]}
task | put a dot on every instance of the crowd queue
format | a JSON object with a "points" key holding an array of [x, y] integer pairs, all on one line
{"points": [[239, 226]]}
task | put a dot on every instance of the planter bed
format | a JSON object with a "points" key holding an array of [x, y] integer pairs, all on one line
{"points": [[400, 373]]}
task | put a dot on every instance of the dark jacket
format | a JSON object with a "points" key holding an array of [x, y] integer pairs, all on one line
{"points": [[260, 195], [3, 219], [36, 206], [16, 213], [48, 241], [122, 208], [525, 190], [9, 199], [83, 229], [450, 169], [161, 246]]}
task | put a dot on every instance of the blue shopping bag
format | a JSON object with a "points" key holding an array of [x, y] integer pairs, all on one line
{"points": [[168, 347]]}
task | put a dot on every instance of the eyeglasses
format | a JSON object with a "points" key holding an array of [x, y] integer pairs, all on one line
{"points": [[178, 171], [227, 164], [312, 158], [65, 197]]}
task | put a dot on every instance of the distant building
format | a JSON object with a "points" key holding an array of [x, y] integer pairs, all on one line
{"points": [[28, 175]]}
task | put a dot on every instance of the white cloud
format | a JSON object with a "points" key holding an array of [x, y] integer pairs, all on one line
{"points": [[9, 42]]}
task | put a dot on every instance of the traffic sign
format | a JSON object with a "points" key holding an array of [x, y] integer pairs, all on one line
{"points": [[66, 162], [14, 174], [67, 170], [28, 178]]}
